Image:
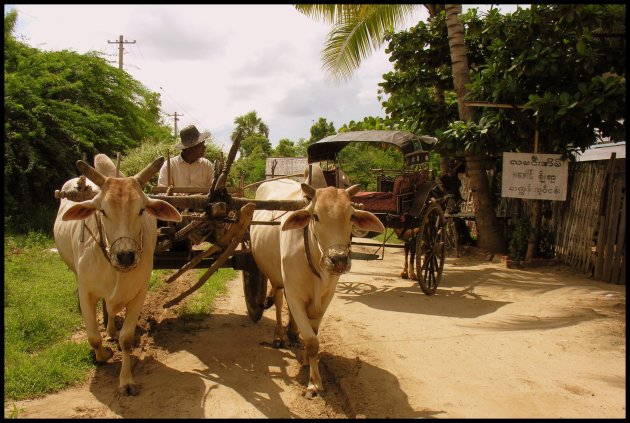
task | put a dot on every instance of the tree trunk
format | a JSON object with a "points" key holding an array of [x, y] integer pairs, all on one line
{"points": [[489, 236]]}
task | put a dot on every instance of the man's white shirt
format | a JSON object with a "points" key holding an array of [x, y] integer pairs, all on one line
{"points": [[197, 174]]}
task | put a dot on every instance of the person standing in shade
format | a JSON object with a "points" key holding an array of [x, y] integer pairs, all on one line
{"points": [[190, 168]]}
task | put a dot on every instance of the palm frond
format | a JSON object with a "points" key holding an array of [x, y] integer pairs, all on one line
{"points": [[357, 32], [328, 13]]}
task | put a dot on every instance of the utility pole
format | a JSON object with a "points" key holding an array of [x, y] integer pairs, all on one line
{"points": [[174, 115], [120, 43]]}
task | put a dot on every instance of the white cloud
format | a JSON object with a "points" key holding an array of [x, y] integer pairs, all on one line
{"points": [[212, 63]]}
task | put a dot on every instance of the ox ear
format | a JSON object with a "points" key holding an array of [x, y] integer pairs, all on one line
{"points": [[308, 190], [80, 211], [367, 221], [297, 220], [163, 211]]}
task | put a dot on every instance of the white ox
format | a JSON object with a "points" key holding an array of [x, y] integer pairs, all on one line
{"points": [[280, 253], [115, 259]]}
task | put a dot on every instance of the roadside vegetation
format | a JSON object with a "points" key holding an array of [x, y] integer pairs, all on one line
{"points": [[41, 317]]}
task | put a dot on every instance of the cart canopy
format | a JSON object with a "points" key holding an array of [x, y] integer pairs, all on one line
{"points": [[327, 148]]}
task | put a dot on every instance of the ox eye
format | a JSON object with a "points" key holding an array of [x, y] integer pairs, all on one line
{"points": [[103, 211], [316, 218], [141, 211]]}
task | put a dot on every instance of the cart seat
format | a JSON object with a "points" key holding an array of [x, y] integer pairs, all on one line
{"points": [[376, 202], [397, 201]]}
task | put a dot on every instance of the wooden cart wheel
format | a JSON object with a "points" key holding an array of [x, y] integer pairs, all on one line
{"points": [[430, 248], [255, 289]]}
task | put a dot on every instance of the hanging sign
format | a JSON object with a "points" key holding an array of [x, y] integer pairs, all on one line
{"points": [[534, 176]]}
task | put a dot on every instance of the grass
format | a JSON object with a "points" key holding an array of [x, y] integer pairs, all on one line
{"points": [[201, 303], [393, 239], [41, 313]]}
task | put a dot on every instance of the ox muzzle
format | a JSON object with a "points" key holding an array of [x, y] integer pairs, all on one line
{"points": [[336, 259], [124, 253]]}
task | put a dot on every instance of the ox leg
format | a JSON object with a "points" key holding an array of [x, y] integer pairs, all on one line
{"points": [[293, 333], [88, 310], [108, 319], [279, 337], [311, 348], [127, 386]]}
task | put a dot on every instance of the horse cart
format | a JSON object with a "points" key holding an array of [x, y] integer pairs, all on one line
{"points": [[407, 200]]}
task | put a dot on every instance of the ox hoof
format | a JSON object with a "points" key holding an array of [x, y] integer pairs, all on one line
{"points": [[414, 277], [107, 354], [294, 338], [310, 393], [404, 275], [129, 390]]}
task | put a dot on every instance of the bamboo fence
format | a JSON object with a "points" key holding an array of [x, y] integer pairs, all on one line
{"points": [[589, 227]]}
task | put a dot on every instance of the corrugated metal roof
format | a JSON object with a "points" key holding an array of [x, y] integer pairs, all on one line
{"points": [[602, 152], [286, 165]]}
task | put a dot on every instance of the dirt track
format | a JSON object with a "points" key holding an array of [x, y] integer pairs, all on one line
{"points": [[492, 342]]}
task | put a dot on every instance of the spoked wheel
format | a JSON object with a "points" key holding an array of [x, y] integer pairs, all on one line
{"points": [[452, 242], [430, 248]]}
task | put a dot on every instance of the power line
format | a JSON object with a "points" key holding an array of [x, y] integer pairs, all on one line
{"points": [[181, 107]]}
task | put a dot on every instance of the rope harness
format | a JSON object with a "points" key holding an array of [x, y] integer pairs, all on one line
{"points": [[122, 244], [326, 259]]}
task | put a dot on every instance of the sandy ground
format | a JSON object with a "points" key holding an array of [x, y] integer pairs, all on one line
{"points": [[492, 342]]}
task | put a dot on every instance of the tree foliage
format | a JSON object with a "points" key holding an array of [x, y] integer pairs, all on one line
{"points": [[358, 159], [570, 81], [59, 105], [253, 141], [285, 148], [321, 129], [547, 59]]}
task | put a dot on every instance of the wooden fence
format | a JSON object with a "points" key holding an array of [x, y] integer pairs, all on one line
{"points": [[588, 228]]}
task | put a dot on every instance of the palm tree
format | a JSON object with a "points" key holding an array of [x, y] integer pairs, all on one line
{"points": [[250, 124], [490, 236], [357, 29]]}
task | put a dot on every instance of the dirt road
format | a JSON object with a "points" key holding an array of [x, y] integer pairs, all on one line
{"points": [[492, 342]]}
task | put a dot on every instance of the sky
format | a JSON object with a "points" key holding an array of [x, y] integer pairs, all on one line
{"points": [[213, 63]]}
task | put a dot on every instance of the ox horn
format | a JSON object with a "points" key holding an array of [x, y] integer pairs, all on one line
{"points": [[353, 190], [91, 173], [147, 173]]}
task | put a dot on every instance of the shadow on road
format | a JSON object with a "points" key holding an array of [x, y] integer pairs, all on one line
{"points": [[410, 299], [371, 392], [234, 354]]}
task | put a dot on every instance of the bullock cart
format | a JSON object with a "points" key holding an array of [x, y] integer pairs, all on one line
{"points": [[407, 200], [213, 233]]}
